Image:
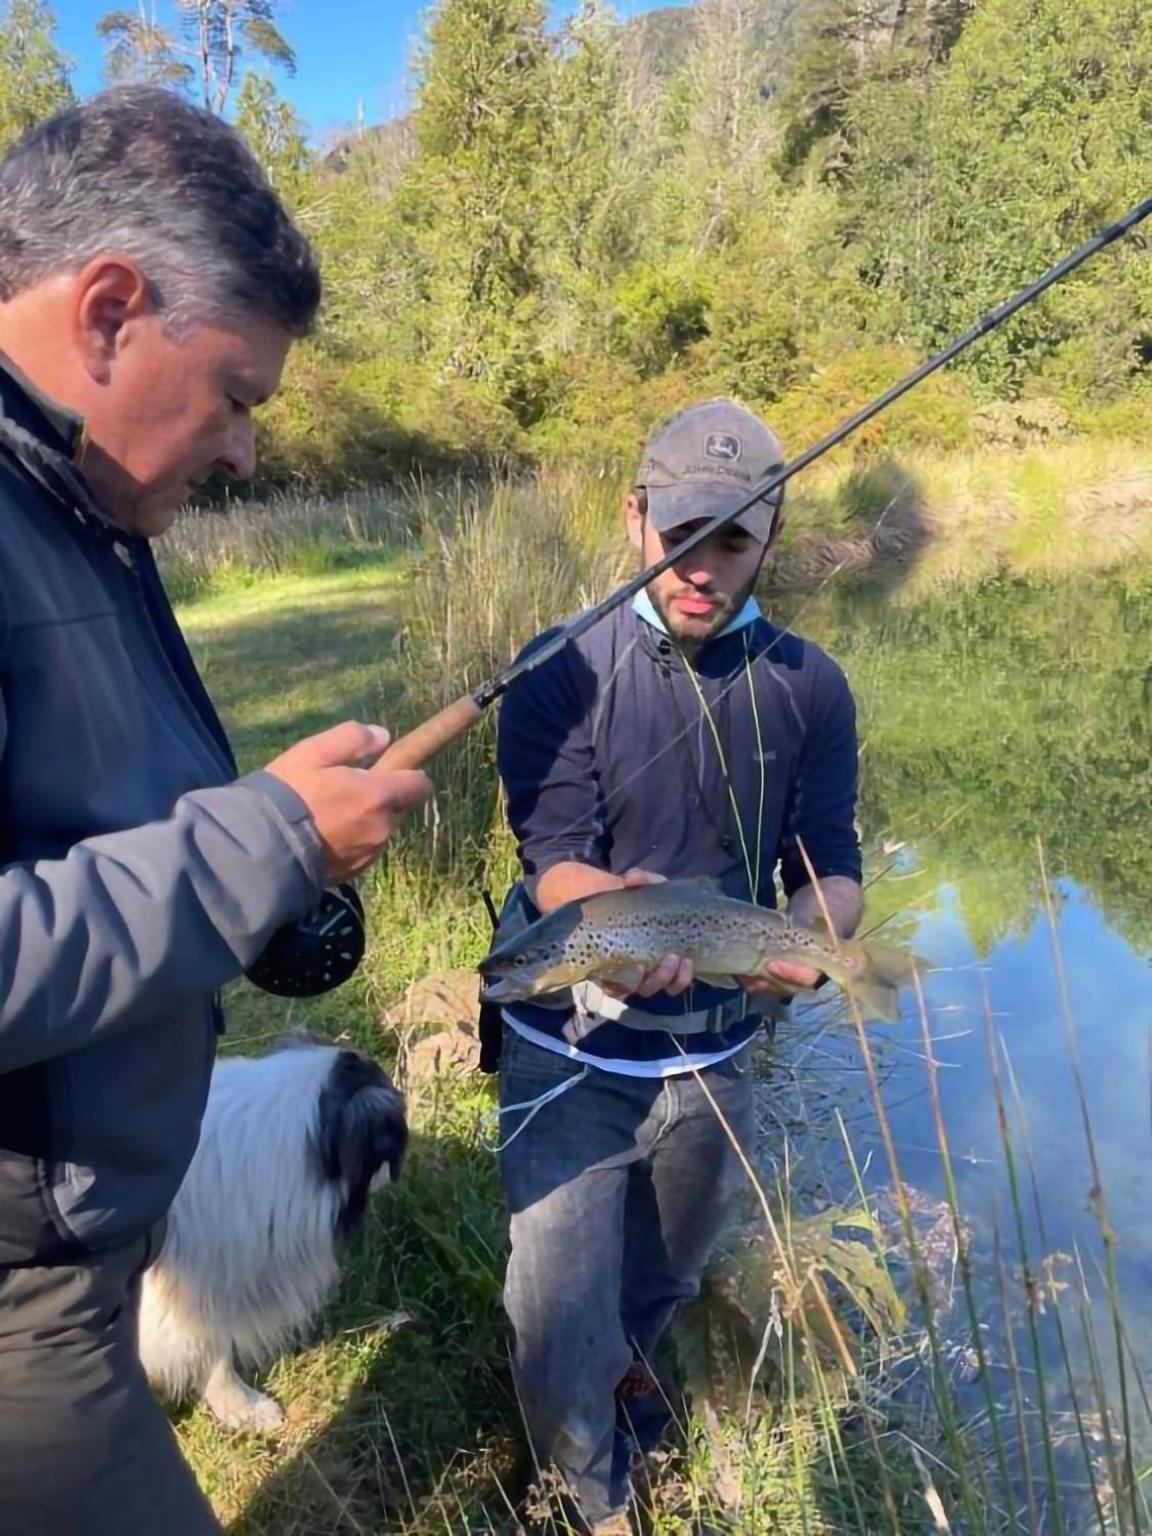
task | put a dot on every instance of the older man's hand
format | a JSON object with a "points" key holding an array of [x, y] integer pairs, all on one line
{"points": [[355, 806]]}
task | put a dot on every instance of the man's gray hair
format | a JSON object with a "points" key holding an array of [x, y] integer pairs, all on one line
{"points": [[140, 172]]}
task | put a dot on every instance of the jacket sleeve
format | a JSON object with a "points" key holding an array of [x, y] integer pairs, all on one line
{"points": [[822, 812], [130, 923], [544, 755]]}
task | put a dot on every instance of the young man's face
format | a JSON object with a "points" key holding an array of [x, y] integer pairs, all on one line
{"points": [[698, 595]]}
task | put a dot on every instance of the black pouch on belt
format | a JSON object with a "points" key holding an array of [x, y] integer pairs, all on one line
{"points": [[490, 1026]]}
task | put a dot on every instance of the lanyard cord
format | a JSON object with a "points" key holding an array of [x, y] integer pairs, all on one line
{"points": [[753, 875]]}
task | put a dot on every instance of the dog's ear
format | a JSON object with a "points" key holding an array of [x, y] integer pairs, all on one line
{"points": [[363, 1130], [373, 1137]]}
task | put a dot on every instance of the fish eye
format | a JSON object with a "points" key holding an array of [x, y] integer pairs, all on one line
{"points": [[519, 960]]}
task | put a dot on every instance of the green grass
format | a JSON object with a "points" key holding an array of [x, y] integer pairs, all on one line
{"points": [[392, 1425], [918, 522], [287, 655], [375, 1415], [400, 1415]]}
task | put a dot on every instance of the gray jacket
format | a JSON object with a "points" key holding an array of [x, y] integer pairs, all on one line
{"points": [[138, 874]]}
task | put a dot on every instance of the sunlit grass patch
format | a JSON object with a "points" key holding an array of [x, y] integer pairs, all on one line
{"points": [[400, 1415]]}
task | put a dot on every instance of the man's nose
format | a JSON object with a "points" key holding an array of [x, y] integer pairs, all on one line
{"points": [[695, 572], [239, 457]]}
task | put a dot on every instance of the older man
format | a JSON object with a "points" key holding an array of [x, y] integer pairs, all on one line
{"points": [[684, 736], [151, 286]]}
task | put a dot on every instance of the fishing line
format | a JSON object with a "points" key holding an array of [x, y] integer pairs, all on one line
{"points": [[761, 760], [534, 1106], [706, 714]]}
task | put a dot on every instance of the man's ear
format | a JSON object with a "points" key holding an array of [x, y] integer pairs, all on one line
{"points": [[634, 521], [108, 294]]}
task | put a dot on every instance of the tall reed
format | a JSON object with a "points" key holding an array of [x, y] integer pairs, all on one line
{"points": [[826, 1395]]}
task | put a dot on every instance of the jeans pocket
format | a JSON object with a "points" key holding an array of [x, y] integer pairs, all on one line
{"points": [[534, 1082]]}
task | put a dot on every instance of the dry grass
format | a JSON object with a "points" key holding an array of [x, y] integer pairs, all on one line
{"points": [[852, 1424], [926, 521]]}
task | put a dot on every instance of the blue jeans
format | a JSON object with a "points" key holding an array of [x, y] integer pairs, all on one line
{"points": [[618, 1189]]}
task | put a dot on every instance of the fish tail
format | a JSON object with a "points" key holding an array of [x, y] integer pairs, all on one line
{"points": [[874, 975], [897, 967], [877, 999]]}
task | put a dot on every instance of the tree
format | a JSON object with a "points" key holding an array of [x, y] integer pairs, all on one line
{"points": [[469, 203], [141, 49], [594, 178], [825, 71], [203, 49], [33, 75], [733, 72], [222, 31], [481, 81], [1033, 135], [840, 46], [575, 231], [275, 134]]}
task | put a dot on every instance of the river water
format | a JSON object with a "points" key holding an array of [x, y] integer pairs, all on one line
{"points": [[1006, 806]]}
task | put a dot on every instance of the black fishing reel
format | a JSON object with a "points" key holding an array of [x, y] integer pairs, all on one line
{"points": [[318, 952]]}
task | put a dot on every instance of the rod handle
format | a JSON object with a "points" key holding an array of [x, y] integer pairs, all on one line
{"points": [[417, 746]]}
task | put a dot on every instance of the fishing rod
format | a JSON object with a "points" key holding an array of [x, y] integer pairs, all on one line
{"points": [[421, 744], [323, 948]]}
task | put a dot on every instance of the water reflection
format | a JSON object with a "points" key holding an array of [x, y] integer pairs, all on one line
{"points": [[992, 723], [990, 719]]}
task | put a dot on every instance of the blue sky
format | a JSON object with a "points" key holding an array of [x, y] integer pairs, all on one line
{"points": [[349, 51]]}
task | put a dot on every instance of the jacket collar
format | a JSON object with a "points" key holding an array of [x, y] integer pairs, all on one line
{"points": [[28, 407], [720, 657], [47, 441]]}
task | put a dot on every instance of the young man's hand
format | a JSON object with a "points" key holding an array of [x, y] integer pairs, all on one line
{"points": [[838, 899], [672, 974], [783, 980]]}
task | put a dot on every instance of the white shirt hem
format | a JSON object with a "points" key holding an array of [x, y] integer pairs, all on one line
{"points": [[695, 1061]]}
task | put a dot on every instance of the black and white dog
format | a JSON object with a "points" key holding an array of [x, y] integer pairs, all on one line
{"points": [[293, 1145]]}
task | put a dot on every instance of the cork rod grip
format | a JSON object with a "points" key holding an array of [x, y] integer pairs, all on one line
{"points": [[420, 745]]}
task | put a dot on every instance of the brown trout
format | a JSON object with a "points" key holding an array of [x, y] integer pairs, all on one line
{"points": [[609, 935]]}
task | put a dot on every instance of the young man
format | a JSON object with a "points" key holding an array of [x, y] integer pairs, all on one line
{"points": [[151, 286], [684, 736]]}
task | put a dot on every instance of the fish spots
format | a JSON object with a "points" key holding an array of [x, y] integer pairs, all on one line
{"points": [[723, 936]]}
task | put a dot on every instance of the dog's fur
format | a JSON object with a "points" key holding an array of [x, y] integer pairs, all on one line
{"points": [[293, 1145]]}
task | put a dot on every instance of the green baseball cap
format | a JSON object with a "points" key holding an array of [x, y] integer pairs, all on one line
{"points": [[707, 459]]}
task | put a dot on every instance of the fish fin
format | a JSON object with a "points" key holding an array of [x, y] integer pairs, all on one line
{"points": [[625, 973], [707, 885], [880, 971], [877, 998], [716, 979], [895, 966]]}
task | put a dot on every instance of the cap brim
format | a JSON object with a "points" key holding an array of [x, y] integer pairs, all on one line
{"points": [[671, 506]]}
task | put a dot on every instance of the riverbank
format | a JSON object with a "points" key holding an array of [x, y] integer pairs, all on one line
{"points": [[919, 523], [400, 1416]]}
